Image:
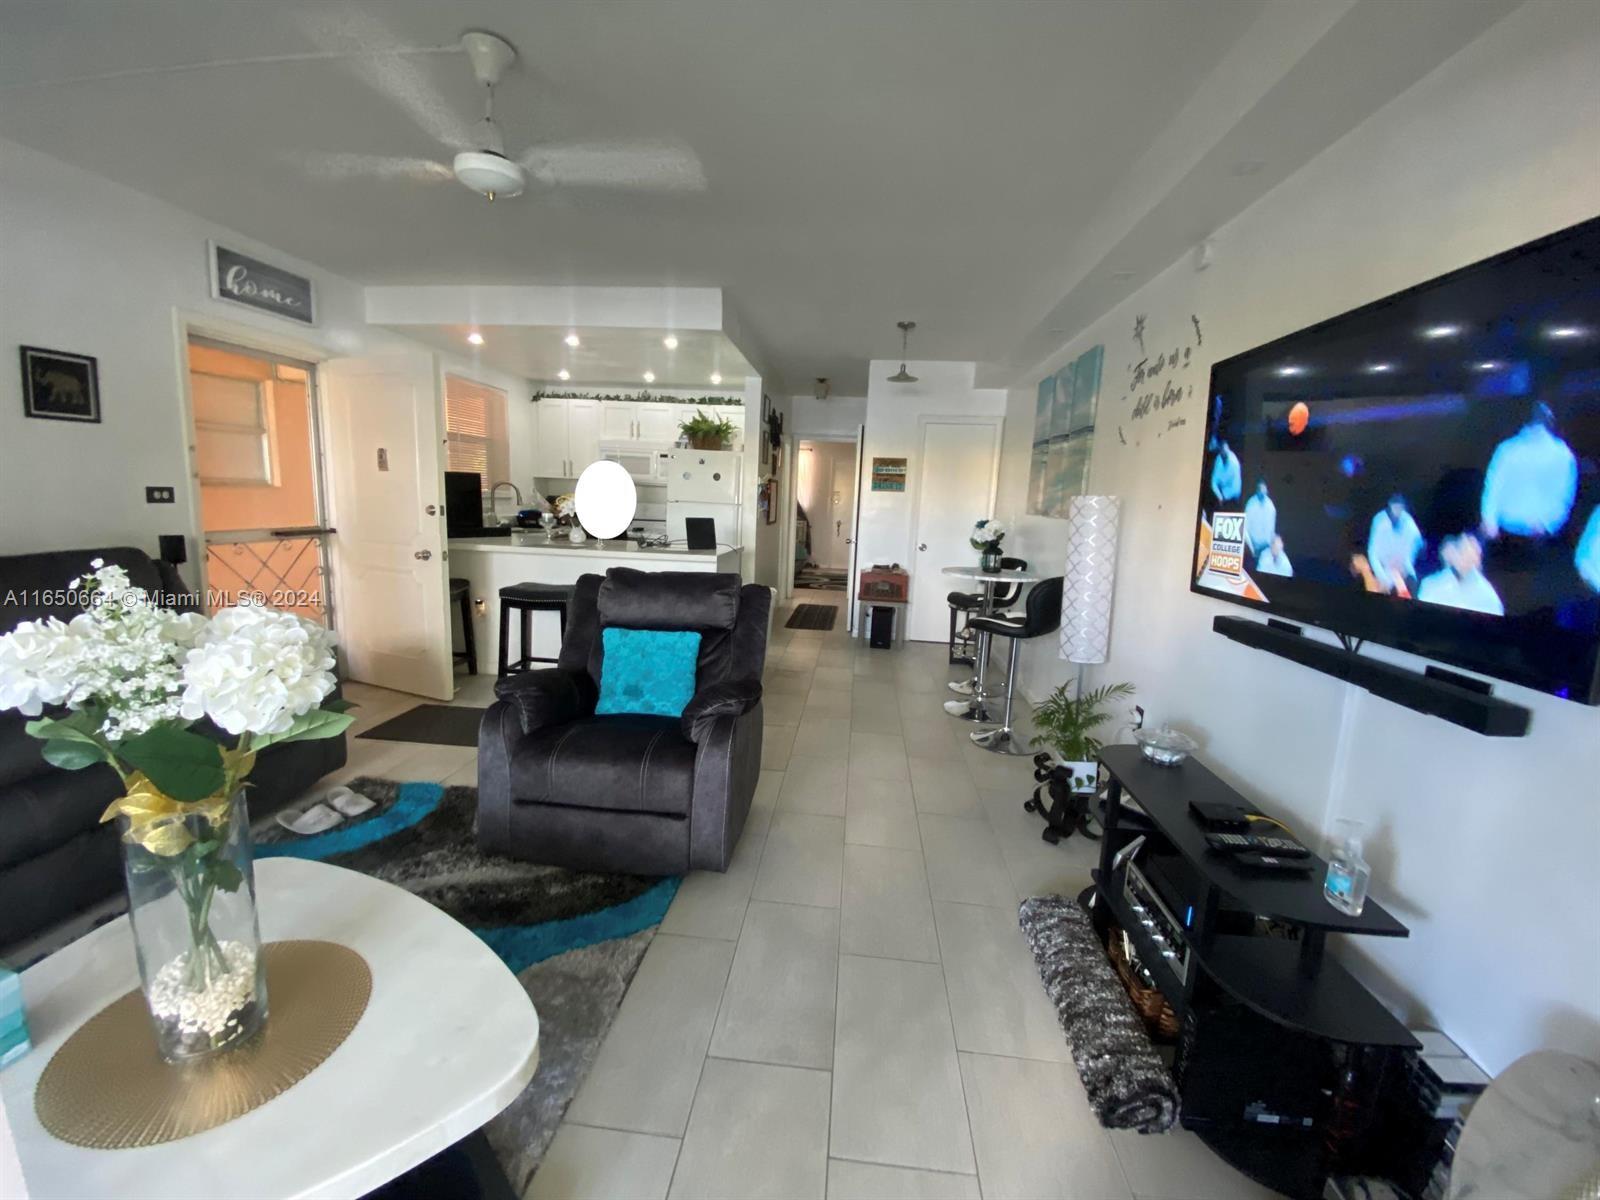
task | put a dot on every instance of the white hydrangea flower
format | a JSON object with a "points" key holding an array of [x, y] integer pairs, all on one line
{"points": [[255, 670], [38, 660]]}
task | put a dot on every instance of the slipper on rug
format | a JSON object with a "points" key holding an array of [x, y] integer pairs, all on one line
{"points": [[317, 818], [348, 803], [573, 938]]}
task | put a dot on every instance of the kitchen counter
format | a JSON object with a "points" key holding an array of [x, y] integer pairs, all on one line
{"points": [[491, 563]]}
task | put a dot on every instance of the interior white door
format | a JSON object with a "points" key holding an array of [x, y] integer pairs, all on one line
{"points": [[618, 420], [385, 460], [659, 422], [550, 448], [583, 434], [956, 473]]}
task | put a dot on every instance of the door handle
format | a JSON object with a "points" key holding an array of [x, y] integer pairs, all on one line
{"points": [[431, 510], [423, 555], [922, 545], [849, 541]]}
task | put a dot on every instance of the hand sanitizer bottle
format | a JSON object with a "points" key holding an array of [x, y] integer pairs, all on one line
{"points": [[1348, 873]]}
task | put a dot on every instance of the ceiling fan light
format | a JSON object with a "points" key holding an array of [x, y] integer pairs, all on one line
{"points": [[490, 174], [902, 376]]}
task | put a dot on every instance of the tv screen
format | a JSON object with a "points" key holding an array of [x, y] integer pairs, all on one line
{"points": [[1424, 471]]}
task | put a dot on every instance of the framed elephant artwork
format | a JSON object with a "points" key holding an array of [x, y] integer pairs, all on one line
{"points": [[59, 386]]}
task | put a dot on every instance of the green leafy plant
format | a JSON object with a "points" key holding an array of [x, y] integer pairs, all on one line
{"points": [[706, 432], [1066, 723]]}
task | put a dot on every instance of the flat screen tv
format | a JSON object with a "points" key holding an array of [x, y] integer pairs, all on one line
{"points": [[1424, 471]]}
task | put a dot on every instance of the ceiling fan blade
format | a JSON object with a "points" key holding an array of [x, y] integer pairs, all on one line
{"points": [[638, 166], [338, 167], [398, 71]]}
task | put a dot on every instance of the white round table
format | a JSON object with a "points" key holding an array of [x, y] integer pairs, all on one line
{"points": [[975, 707], [449, 1038]]}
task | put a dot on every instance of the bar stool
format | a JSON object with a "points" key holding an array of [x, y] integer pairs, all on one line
{"points": [[1040, 616], [526, 599], [459, 589], [972, 602]]}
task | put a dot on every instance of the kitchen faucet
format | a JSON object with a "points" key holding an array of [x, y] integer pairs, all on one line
{"points": [[494, 511]]}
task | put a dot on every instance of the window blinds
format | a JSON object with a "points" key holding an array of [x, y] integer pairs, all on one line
{"points": [[475, 430]]}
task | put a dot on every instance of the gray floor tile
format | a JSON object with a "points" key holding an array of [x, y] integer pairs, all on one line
{"points": [[787, 681], [644, 1077], [711, 904], [1035, 1136], [964, 862], [930, 734], [756, 1131], [778, 1005], [896, 1086], [996, 1000], [829, 702], [814, 784], [872, 1181], [874, 718], [803, 862], [1177, 1165], [777, 742], [764, 803], [782, 708], [880, 755], [886, 912], [942, 790], [823, 737], [832, 678], [584, 1163], [879, 812]]}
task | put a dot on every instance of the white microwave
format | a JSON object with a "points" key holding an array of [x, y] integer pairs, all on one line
{"points": [[646, 462]]}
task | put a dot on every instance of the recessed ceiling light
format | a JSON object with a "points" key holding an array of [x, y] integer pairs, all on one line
{"points": [[475, 338], [563, 374], [670, 342], [716, 379], [1291, 370], [1487, 365], [1379, 368], [649, 376], [1565, 331], [1441, 331], [573, 340]]}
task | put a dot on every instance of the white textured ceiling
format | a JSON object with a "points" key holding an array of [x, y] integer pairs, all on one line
{"points": [[866, 160]]}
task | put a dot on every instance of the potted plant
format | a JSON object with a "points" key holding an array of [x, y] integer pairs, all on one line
{"points": [[706, 433], [128, 685], [985, 538], [1066, 724]]}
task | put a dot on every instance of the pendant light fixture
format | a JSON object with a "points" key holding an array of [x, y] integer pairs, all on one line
{"points": [[903, 375]]}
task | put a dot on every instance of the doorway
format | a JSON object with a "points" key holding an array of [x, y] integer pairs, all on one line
{"points": [[255, 445], [825, 514], [958, 468]]}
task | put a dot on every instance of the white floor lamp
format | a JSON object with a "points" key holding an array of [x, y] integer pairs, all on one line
{"points": [[1089, 580]]}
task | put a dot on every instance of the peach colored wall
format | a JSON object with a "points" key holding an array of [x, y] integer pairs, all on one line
{"points": [[292, 500]]}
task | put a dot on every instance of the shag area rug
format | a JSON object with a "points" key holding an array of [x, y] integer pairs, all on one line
{"points": [[573, 938], [1129, 1086]]}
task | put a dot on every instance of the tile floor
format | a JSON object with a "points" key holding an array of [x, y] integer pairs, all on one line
{"points": [[850, 1010]]}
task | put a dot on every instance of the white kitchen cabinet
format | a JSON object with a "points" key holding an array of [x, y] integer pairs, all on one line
{"points": [[568, 437], [659, 422], [583, 434], [735, 417], [550, 448], [619, 420]]}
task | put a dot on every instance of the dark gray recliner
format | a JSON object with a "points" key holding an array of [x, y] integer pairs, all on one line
{"points": [[647, 795]]}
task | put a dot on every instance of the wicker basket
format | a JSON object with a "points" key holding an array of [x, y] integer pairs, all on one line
{"points": [[1148, 1002]]}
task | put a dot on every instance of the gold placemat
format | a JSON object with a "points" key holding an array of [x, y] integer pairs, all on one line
{"points": [[108, 1087]]}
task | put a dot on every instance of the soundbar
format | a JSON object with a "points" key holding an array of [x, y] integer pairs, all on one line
{"points": [[1460, 704]]}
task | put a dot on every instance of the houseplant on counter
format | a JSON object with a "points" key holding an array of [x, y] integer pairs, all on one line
{"points": [[985, 538], [706, 433], [136, 682]]}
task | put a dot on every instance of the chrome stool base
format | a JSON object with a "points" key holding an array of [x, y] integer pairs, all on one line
{"points": [[1001, 741]]}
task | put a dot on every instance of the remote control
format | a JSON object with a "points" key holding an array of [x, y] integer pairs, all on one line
{"points": [[1268, 862], [1255, 843]]}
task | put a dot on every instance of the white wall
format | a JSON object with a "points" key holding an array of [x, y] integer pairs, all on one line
{"points": [[1484, 847], [93, 267], [893, 409], [837, 416]]}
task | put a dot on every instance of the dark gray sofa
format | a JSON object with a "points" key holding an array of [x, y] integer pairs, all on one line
{"points": [[56, 859], [646, 795]]}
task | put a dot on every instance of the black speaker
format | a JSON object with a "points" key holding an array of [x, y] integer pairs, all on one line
{"points": [[174, 548]]}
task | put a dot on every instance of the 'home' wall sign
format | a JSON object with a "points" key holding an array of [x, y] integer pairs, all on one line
{"points": [[245, 280]]}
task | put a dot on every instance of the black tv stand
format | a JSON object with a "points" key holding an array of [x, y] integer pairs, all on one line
{"points": [[1454, 698], [1271, 1027]]}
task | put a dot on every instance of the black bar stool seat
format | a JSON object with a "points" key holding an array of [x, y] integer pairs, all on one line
{"points": [[1040, 615], [525, 599], [459, 595]]}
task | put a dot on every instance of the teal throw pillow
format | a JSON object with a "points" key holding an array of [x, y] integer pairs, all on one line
{"points": [[647, 671]]}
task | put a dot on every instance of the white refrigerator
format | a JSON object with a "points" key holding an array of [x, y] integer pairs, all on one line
{"points": [[704, 483]]}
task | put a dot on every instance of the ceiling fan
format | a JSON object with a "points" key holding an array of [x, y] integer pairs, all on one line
{"points": [[481, 162]]}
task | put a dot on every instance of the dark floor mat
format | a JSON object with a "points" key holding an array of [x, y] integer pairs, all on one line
{"points": [[436, 724], [812, 616]]}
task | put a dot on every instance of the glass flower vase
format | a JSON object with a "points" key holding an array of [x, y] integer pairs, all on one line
{"points": [[192, 903], [990, 559]]}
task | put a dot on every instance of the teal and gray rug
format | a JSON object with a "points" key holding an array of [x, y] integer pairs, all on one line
{"points": [[573, 938]]}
